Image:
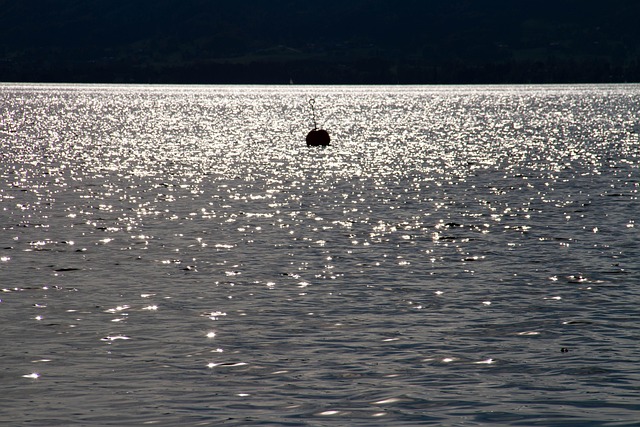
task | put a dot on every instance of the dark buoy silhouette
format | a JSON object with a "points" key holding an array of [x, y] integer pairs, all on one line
{"points": [[317, 137]]}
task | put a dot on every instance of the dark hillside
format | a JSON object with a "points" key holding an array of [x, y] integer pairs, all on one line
{"points": [[357, 41]]}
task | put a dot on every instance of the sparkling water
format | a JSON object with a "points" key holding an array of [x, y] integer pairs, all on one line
{"points": [[177, 255]]}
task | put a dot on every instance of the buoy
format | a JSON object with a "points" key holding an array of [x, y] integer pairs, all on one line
{"points": [[317, 137]]}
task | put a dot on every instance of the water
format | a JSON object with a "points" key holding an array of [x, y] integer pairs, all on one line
{"points": [[175, 255]]}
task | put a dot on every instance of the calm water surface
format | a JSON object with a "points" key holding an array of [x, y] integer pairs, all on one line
{"points": [[175, 255]]}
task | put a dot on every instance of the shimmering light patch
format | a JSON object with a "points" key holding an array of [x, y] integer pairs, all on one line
{"points": [[211, 334], [528, 333], [33, 376], [448, 360], [329, 413], [387, 401], [118, 309], [5, 258], [115, 338], [150, 308], [227, 365], [485, 362], [214, 315]]}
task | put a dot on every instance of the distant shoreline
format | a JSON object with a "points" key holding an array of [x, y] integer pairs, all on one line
{"points": [[371, 72]]}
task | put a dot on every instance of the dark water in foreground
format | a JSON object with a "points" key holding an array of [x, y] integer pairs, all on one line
{"points": [[460, 256]]}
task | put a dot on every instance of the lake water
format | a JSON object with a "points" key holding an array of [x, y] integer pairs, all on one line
{"points": [[176, 255]]}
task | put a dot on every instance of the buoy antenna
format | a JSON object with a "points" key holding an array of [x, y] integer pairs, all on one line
{"points": [[313, 112], [316, 136]]}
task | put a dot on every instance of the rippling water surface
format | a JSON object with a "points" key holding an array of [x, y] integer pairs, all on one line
{"points": [[175, 255]]}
